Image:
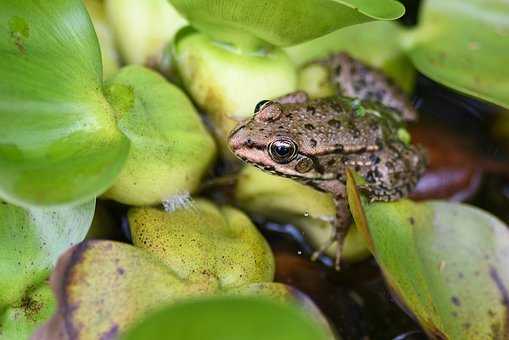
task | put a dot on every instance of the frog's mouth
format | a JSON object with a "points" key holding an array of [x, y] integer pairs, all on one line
{"points": [[260, 158]]}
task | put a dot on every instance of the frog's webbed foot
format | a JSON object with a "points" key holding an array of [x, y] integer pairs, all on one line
{"points": [[339, 231], [338, 237]]}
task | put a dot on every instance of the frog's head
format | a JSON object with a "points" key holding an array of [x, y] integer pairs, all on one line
{"points": [[266, 141]]}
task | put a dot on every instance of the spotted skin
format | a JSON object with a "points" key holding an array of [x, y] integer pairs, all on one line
{"points": [[352, 78], [314, 141]]}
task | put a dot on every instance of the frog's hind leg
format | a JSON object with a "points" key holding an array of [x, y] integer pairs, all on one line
{"points": [[355, 79], [340, 227]]}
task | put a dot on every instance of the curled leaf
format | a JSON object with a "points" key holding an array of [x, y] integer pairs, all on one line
{"points": [[213, 74], [446, 262], [280, 22]]}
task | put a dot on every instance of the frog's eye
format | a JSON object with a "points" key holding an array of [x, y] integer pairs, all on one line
{"points": [[261, 105], [283, 150]]}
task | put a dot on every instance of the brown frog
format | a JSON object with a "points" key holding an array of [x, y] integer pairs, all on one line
{"points": [[314, 141]]}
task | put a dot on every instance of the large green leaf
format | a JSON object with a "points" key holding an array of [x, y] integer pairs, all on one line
{"points": [[31, 241], [446, 262], [58, 139], [229, 318], [464, 44], [281, 22]]}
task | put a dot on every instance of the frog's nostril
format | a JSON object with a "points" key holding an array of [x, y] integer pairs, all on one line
{"points": [[236, 129], [235, 140]]}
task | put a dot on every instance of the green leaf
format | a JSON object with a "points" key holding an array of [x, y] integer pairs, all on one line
{"points": [[58, 142], [31, 241], [464, 44], [446, 262], [246, 318], [281, 22], [170, 148]]}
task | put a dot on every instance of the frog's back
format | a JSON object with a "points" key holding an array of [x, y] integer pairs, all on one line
{"points": [[363, 136], [338, 122]]}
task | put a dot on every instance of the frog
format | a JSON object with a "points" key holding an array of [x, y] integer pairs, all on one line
{"points": [[315, 140]]}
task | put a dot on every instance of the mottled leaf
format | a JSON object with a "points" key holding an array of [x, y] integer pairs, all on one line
{"points": [[126, 285], [31, 240], [130, 282], [21, 319], [204, 242]]}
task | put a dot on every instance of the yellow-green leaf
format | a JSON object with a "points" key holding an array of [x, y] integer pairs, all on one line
{"points": [[170, 148], [204, 242]]}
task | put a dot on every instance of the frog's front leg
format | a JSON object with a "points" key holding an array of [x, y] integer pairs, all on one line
{"points": [[341, 222]]}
